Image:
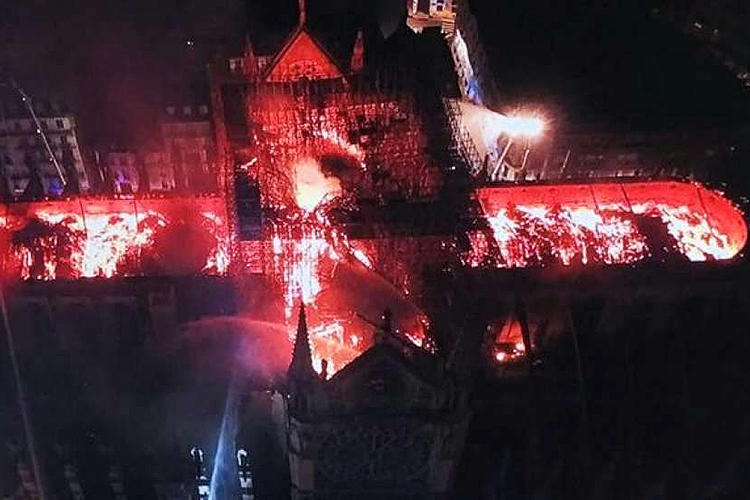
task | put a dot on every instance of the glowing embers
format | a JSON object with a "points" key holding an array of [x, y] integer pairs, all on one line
{"points": [[307, 251], [528, 236], [333, 342], [56, 243], [696, 237], [607, 224], [507, 341], [334, 138], [302, 249], [314, 262]]}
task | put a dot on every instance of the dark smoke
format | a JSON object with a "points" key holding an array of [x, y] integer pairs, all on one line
{"points": [[182, 246]]}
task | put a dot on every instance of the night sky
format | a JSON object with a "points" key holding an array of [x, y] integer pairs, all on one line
{"points": [[115, 61], [118, 62], [607, 64]]}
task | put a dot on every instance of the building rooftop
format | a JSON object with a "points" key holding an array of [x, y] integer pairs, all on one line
{"points": [[11, 106]]}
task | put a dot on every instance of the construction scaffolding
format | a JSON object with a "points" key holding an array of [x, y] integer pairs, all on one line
{"points": [[372, 140]]}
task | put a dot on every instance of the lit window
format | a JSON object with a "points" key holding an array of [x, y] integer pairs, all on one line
{"points": [[187, 110], [235, 65], [170, 110]]}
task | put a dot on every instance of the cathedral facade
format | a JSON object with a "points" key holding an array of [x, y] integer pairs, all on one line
{"points": [[391, 424]]}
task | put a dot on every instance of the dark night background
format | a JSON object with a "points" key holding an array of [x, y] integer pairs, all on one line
{"points": [[610, 64]]}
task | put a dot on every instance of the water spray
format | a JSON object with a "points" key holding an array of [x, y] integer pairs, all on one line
{"points": [[224, 483]]}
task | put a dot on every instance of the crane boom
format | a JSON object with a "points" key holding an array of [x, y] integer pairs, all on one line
{"points": [[39, 129]]}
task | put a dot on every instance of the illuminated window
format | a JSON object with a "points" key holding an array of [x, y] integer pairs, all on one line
{"points": [[235, 65]]}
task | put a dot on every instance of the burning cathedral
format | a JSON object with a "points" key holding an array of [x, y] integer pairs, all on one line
{"points": [[360, 203]]}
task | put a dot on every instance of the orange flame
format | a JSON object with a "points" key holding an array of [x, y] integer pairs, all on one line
{"points": [[300, 262], [102, 241], [312, 186], [535, 234]]}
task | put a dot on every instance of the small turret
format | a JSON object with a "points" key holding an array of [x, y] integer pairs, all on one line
{"points": [[358, 54], [250, 63], [301, 367], [302, 13]]}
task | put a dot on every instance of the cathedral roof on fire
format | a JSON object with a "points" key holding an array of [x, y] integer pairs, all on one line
{"points": [[392, 376], [324, 43], [302, 56], [407, 358], [324, 36], [384, 380]]}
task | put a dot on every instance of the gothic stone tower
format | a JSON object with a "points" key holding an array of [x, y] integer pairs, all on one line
{"points": [[390, 425]]}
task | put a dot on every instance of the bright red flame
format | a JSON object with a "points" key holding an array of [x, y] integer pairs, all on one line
{"points": [[311, 186], [52, 240], [607, 223], [508, 341], [307, 249]]}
